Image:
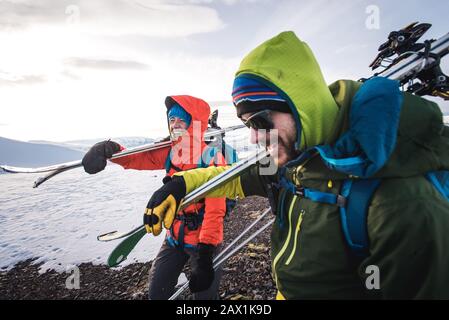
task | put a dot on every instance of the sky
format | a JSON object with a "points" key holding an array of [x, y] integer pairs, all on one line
{"points": [[84, 69]]}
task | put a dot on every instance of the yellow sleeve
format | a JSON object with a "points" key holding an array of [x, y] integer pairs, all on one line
{"points": [[197, 177]]}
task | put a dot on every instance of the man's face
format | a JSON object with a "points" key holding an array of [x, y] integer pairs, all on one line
{"points": [[279, 141], [178, 127]]}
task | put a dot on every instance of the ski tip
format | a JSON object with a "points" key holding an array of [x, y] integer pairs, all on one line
{"points": [[107, 236], [115, 262], [37, 183], [7, 168]]}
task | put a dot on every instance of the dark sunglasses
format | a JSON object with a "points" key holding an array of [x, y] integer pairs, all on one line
{"points": [[260, 120]]}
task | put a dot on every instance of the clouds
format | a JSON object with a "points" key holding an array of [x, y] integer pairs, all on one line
{"points": [[122, 58], [227, 2], [105, 64], [7, 79], [155, 18]]}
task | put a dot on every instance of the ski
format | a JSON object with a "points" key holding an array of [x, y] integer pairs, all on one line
{"points": [[59, 168], [197, 193], [416, 65], [114, 235], [121, 252], [217, 261]]}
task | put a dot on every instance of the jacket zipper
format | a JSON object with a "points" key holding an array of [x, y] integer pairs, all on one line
{"points": [[295, 239], [285, 246]]}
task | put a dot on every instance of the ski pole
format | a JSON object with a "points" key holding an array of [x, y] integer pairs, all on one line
{"points": [[255, 234], [222, 252], [217, 264], [242, 234]]}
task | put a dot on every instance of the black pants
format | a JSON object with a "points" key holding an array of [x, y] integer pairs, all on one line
{"points": [[165, 271]]}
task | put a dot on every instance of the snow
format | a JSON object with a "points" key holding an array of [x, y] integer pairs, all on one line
{"points": [[58, 222]]}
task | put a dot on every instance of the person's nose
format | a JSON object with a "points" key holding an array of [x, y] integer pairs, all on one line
{"points": [[175, 123], [253, 136]]}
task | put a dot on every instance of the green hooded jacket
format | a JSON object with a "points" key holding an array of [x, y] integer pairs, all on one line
{"points": [[407, 220]]}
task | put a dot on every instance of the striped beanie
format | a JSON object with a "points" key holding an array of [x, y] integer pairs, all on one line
{"points": [[251, 95]]}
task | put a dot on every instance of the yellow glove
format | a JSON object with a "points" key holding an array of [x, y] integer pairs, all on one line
{"points": [[164, 205], [165, 212]]}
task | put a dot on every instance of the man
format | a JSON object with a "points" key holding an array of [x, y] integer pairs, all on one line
{"points": [[196, 231], [331, 139]]}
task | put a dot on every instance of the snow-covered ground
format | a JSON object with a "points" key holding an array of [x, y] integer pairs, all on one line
{"points": [[59, 221]]}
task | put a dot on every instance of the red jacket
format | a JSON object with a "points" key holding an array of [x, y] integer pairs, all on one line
{"points": [[185, 155]]}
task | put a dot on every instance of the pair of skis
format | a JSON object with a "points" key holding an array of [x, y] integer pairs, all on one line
{"points": [[218, 260], [416, 65], [121, 252], [59, 168]]}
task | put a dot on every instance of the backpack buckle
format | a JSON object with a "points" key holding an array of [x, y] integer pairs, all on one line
{"points": [[299, 191], [341, 201]]}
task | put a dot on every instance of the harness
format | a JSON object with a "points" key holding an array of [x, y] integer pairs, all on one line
{"points": [[193, 220], [190, 220]]}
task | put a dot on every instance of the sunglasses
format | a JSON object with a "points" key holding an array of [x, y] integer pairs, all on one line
{"points": [[260, 120]]}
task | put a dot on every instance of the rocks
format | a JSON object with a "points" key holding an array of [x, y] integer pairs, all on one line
{"points": [[247, 274]]}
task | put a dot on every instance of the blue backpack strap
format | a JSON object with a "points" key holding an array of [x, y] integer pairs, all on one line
{"points": [[312, 194], [211, 152], [440, 180], [230, 153], [354, 200], [207, 155], [353, 215], [168, 162]]}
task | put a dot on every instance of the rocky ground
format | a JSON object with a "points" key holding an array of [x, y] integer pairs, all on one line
{"points": [[247, 274]]}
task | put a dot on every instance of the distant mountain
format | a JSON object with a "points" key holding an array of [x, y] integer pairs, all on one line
{"points": [[26, 154], [84, 145], [38, 153]]}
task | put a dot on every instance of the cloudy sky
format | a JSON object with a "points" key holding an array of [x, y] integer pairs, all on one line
{"points": [[88, 69]]}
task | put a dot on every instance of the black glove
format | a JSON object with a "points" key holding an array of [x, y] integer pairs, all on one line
{"points": [[164, 205], [203, 270], [95, 159]]}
